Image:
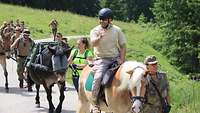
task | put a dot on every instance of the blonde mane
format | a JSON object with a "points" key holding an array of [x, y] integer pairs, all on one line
{"points": [[127, 80]]}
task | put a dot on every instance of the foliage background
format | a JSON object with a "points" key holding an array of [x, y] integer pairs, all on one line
{"points": [[143, 39]]}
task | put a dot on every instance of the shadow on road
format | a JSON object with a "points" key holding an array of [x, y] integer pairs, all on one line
{"points": [[19, 91], [42, 109]]}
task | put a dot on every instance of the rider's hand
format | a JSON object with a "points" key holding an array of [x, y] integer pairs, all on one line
{"points": [[101, 33], [120, 61]]}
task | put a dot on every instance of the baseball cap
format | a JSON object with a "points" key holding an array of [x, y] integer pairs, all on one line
{"points": [[151, 59], [26, 31]]}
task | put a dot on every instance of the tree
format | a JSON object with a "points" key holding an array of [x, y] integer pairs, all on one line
{"points": [[181, 23], [128, 10], [83, 7], [118, 7], [137, 7]]}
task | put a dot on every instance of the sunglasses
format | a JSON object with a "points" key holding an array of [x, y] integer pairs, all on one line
{"points": [[153, 64]]}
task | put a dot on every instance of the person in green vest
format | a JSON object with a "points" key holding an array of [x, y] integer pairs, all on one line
{"points": [[79, 58]]}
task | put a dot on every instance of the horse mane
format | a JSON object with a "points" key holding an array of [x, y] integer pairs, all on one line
{"points": [[137, 68]]}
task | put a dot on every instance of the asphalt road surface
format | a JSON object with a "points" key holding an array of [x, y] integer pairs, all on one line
{"points": [[21, 101]]}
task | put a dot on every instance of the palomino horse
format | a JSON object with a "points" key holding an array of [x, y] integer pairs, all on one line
{"points": [[3, 55], [126, 93], [48, 67]]}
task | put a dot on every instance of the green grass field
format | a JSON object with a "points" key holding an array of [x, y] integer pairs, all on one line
{"points": [[184, 93]]}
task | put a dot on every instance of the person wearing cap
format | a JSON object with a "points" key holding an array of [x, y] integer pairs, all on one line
{"points": [[109, 45], [63, 41], [157, 87], [23, 44]]}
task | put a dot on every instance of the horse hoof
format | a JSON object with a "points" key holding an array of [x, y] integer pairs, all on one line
{"points": [[30, 89], [51, 111], [57, 111]]}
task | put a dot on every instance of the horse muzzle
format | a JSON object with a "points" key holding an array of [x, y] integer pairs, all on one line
{"points": [[136, 107]]}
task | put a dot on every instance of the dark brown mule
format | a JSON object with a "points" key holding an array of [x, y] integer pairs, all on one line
{"points": [[48, 67]]}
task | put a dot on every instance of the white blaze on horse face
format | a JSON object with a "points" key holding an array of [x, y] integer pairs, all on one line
{"points": [[136, 106], [136, 78], [135, 82]]}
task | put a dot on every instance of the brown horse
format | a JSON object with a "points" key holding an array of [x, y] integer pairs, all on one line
{"points": [[126, 93], [48, 67]]}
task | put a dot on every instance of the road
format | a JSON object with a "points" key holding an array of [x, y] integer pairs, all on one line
{"points": [[21, 101]]}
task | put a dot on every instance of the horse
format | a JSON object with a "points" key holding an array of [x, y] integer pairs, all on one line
{"points": [[43, 68], [126, 94], [3, 55]]}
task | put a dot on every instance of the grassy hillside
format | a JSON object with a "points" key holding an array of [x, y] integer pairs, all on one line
{"points": [[184, 93]]}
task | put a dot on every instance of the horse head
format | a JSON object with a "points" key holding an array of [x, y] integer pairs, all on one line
{"points": [[137, 85], [59, 57], [59, 50]]}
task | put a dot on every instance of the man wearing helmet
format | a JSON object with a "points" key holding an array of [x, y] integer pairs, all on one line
{"points": [[157, 90], [23, 45], [109, 44]]}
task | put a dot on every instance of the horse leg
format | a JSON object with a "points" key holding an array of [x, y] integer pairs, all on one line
{"points": [[83, 107], [49, 97], [83, 104], [37, 98], [61, 86]]}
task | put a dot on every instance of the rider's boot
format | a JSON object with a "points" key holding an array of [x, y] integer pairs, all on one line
{"points": [[96, 108]]}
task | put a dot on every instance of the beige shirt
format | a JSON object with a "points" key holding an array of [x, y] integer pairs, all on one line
{"points": [[108, 45]]}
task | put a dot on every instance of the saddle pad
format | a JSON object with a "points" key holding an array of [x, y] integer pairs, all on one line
{"points": [[89, 82]]}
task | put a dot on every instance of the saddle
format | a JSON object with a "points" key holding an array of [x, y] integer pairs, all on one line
{"points": [[109, 75], [106, 81]]}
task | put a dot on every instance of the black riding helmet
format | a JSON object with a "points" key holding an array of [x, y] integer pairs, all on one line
{"points": [[105, 13]]}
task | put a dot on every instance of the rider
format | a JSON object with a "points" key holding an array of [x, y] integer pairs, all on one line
{"points": [[109, 44], [159, 80], [79, 58], [23, 46]]}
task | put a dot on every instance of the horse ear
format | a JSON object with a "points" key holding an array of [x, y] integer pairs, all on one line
{"points": [[52, 49], [130, 72]]}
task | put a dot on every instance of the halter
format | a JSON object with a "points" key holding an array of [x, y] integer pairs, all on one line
{"points": [[140, 98]]}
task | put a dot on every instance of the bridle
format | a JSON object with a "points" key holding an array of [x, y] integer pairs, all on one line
{"points": [[140, 98]]}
